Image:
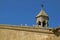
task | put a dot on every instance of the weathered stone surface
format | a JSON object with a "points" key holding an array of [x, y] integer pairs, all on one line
{"points": [[26, 33]]}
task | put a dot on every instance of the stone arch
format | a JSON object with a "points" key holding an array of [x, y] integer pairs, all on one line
{"points": [[44, 23], [39, 23]]}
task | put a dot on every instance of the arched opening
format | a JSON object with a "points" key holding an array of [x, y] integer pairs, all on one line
{"points": [[39, 23], [44, 24], [47, 24]]}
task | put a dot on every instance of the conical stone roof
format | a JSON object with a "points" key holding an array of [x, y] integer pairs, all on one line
{"points": [[42, 13]]}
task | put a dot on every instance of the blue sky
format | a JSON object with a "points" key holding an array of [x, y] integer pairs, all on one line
{"points": [[16, 12]]}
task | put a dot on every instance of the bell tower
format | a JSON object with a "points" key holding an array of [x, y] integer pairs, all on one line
{"points": [[42, 18]]}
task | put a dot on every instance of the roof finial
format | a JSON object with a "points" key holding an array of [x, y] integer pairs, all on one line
{"points": [[42, 6]]}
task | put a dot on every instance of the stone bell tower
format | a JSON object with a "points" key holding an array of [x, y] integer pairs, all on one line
{"points": [[42, 18]]}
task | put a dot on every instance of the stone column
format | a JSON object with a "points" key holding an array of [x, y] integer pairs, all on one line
{"points": [[46, 25], [41, 24]]}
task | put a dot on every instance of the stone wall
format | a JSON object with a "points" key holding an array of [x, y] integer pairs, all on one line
{"points": [[11, 33]]}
